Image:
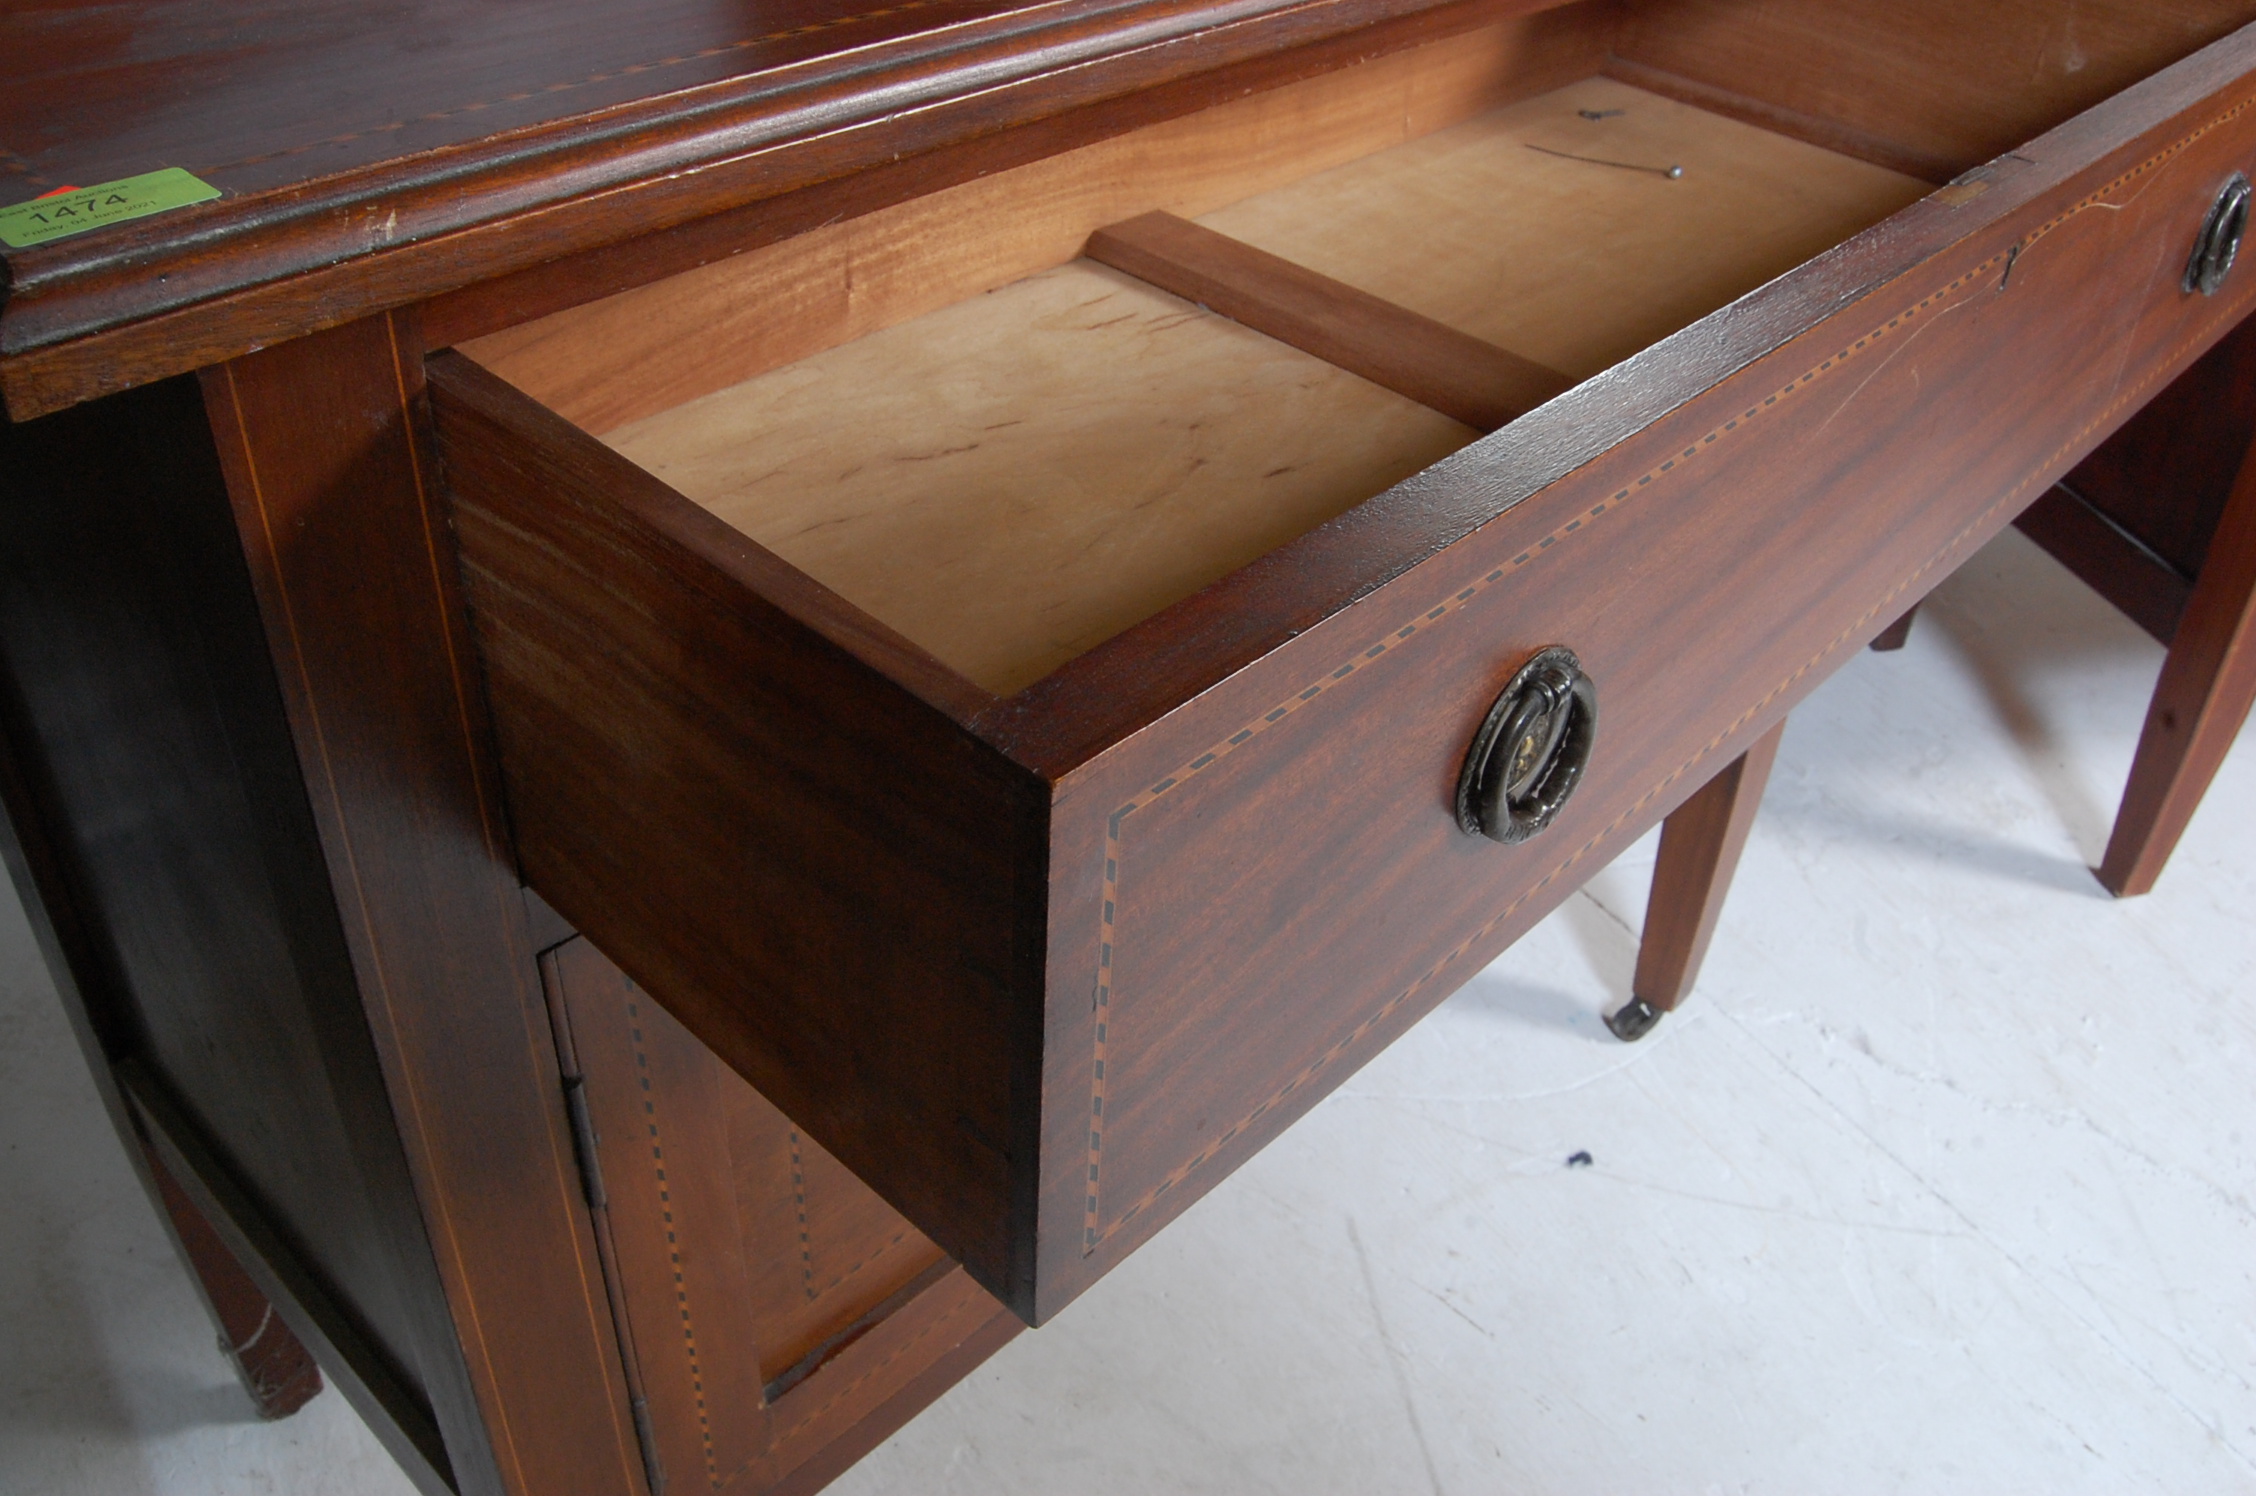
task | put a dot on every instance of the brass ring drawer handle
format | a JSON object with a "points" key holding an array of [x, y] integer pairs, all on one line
{"points": [[1530, 751], [2218, 243]]}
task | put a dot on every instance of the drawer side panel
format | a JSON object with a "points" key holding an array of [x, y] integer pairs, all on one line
{"points": [[819, 870], [1944, 83]]}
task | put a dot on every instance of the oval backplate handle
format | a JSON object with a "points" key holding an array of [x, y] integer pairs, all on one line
{"points": [[1530, 751]]}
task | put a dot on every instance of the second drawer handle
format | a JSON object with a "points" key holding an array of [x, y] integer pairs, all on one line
{"points": [[2218, 244], [1530, 751]]}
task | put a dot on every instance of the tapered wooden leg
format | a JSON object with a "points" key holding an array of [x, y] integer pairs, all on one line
{"points": [[276, 1368], [1895, 634], [1700, 847], [2208, 681]]}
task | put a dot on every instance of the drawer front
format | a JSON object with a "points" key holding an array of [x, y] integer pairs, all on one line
{"points": [[1265, 886]]}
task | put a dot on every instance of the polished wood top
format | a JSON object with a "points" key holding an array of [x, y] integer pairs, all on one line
{"points": [[373, 156], [259, 97]]}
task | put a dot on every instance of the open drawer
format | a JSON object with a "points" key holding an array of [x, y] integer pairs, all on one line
{"points": [[1016, 715]]}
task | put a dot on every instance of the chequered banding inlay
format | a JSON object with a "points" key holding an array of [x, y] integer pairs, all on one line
{"points": [[1376, 648], [880, 1250], [799, 1203], [807, 1282], [673, 1246]]}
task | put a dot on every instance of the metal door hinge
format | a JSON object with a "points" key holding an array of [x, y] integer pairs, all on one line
{"points": [[583, 1140], [647, 1436]]}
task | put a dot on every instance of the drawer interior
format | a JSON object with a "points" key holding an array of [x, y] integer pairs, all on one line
{"points": [[1012, 478], [1573, 265]]}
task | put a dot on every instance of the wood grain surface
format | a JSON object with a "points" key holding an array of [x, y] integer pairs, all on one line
{"points": [[2166, 476], [970, 90], [2208, 684], [313, 240], [153, 787], [1945, 86], [690, 751], [276, 1369], [1127, 683], [2138, 522], [324, 445], [1702, 533], [1563, 261], [1013, 479], [324, 1319], [1822, 131], [1042, 928], [1472, 382], [629, 355], [254, 99], [2109, 558], [780, 1314], [1700, 845]]}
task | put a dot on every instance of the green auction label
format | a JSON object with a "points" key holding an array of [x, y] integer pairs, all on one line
{"points": [[75, 210]]}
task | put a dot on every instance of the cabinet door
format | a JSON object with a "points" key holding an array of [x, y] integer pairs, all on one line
{"points": [[778, 1319]]}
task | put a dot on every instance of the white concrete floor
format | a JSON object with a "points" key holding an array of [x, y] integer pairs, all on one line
{"points": [[1942, 1182]]}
